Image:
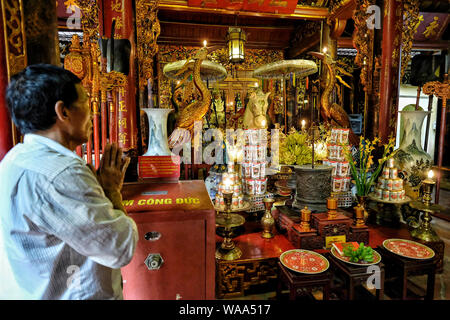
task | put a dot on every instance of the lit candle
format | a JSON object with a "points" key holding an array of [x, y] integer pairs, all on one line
{"points": [[428, 185], [303, 124], [430, 177], [205, 43], [256, 84], [324, 49], [227, 183]]}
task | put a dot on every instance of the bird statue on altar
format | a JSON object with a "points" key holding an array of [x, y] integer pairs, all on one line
{"points": [[197, 109], [332, 113]]}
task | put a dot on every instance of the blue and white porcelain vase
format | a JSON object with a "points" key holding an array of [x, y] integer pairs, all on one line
{"points": [[157, 132], [411, 160]]}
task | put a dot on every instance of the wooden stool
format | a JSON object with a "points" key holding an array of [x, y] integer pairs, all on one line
{"points": [[404, 267], [295, 281], [355, 275]]}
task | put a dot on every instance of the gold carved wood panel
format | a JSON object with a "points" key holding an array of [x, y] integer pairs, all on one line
{"points": [[14, 34]]}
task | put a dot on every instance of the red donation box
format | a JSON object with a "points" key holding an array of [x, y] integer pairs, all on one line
{"points": [[174, 257]]}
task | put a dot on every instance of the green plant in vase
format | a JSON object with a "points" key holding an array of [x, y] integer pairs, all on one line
{"points": [[365, 173], [360, 173]]}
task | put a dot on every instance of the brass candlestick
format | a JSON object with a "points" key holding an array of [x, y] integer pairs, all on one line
{"points": [[359, 213], [332, 208], [306, 218], [267, 221], [425, 232], [227, 220]]}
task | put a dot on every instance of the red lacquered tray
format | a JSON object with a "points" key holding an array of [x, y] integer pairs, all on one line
{"points": [[304, 261], [408, 249]]}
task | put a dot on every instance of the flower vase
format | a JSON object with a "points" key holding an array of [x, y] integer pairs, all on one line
{"points": [[267, 221], [410, 159], [157, 132]]}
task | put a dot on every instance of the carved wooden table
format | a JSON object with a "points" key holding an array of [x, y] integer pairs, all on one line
{"points": [[354, 276], [299, 283], [404, 267], [257, 265]]}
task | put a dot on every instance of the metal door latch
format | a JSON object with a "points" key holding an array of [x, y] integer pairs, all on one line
{"points": [[152, 236], [154, 261]]}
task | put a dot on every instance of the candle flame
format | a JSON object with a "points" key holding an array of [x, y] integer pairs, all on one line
{"points": [[205, 43], [325, 50], [430, 174], [227, 182]]}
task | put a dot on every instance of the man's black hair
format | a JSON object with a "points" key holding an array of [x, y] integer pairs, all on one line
{"points": [[32, 94]]}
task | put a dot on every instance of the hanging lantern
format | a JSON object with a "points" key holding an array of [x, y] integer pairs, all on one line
{"points": [[236, 38]]}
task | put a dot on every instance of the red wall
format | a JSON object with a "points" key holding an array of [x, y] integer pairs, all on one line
{"points": [[5, 121]]}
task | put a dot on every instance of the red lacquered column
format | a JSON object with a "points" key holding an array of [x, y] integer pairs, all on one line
{"points": [[390, 68], [6, 140]]}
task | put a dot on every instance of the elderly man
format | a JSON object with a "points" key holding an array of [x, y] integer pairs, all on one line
{"points": [[64, 232]]}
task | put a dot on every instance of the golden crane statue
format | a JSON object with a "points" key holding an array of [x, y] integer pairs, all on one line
{"points": [[197, 109], [333, 113]]}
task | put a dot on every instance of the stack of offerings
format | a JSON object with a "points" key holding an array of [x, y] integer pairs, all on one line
{"points": [[234, 185], [254, 167], [390, 186], [340, 176]]}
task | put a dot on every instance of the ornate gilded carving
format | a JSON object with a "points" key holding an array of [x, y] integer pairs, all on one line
{"points": [[148, 30], [14, 32], [398, 37], [363, 39], [116, 6], [335, 229], [431, 29], [236, 277], [253, 59], [411, 21], [439, 89], [336, 5], [89, 18], [197, 109], [74, 60], [112, 80]]}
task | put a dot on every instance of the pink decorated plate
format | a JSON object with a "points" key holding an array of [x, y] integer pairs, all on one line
{"points": [[408, 249], [304, 261], [376, 258]]}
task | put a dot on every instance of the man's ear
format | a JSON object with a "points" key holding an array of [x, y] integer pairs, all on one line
{"points": [[61, 111]]}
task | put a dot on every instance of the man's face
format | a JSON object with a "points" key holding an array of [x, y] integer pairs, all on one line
{"points": [[81, 117]]}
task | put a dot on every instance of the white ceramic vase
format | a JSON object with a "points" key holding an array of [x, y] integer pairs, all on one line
{"points": [[157, 132]]}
